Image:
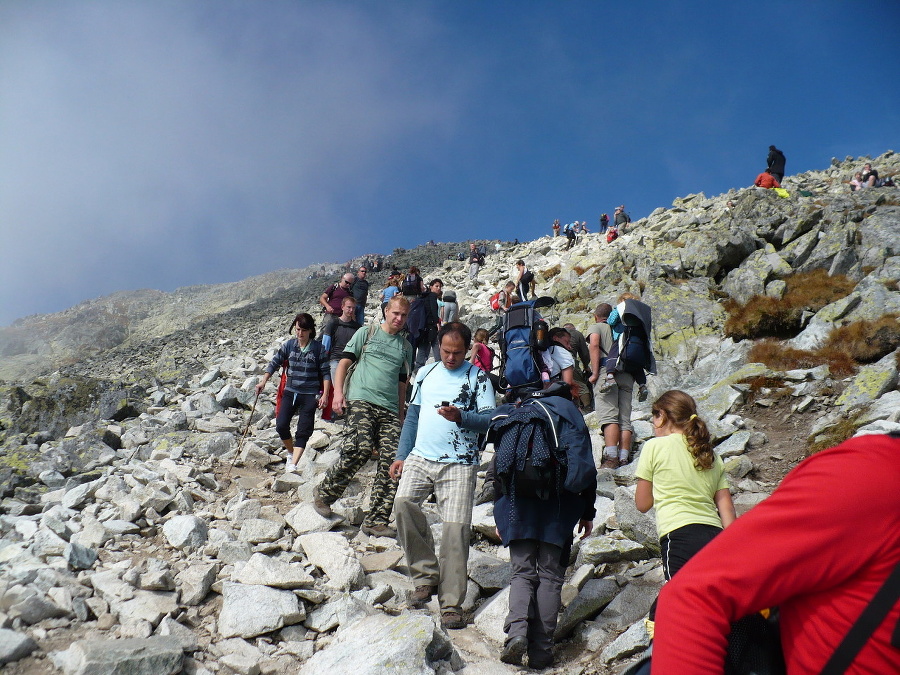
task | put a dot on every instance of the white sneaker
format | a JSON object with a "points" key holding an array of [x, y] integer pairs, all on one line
{"points": [[290, 467]]}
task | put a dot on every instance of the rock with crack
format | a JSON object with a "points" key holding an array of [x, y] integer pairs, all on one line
{"points": [[331, 553], [248, 611]]}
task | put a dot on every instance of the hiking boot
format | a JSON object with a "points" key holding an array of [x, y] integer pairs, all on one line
{"points": [[606, 385], [514, 650], [642, 393], [421, 595], [379, 531], [609, 463], [321, 507], [540, 661], [453, 620], [623, 461]]}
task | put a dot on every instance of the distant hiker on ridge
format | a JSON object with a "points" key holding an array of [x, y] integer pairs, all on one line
{"points": [[766, 180], [775, 163]]}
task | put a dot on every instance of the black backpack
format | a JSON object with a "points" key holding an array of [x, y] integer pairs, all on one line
{"points": [[412, 286], [416, 319], [528, 460]]}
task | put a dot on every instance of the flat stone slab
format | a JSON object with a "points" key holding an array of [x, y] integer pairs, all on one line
{"points": [[248, 611], [157, 655], [265, 571], [331, 553], [408, 644], [14, 646]]}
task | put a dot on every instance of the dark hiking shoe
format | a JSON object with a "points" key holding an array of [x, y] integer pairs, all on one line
{"points": [[421, 595], [379, 531], [643, 393], [514, 650], [609, 463], [623, 461], [540, 661], [320, 506], [452, 620]]}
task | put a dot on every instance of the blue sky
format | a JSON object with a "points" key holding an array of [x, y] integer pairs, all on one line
{"points": [[162, 144]]}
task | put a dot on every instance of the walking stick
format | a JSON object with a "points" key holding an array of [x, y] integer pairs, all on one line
{"points": [[241, 444]]}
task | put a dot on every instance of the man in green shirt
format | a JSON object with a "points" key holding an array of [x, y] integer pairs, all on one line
{"points": [[374, 403]]}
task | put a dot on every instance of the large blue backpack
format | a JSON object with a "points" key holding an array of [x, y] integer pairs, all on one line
{"points": [[524, 338]]}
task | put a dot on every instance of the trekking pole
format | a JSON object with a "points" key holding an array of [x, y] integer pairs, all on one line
{"points": [[241, 443]]}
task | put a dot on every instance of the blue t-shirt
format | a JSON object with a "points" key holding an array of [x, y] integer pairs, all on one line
{"points": [[467, 388]]}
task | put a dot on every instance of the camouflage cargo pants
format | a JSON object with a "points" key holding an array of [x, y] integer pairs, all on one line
{"points": [[370, 428]]}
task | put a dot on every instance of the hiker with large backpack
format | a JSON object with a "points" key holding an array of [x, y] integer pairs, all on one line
{"points": [[524, 338], [630, 357], [306, 375], [544, 485], [374, 399], [824, 549], [438, 455], [412, 285]]}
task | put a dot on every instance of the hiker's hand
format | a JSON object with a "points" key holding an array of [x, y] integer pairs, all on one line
{"points": [[451, 413], [585, 527], [396, 470], [322, 403], [261, 385], [593, 378], [338, 403]]}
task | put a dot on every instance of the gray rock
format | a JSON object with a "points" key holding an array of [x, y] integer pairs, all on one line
{"points": [[266, 571], [870, 383], [597, 550], [30, 605], [408, 644], [736, 444], [195, 581], [147, 656], [79, 557], [488, 571], [187, 638], [593, 597], [490, 617], [258, 530], [331, 553], [185, 531], [342, 610], [149, 606], [14, 646], [248, 611], [637, 526], [632, 641], [303, 519], [233, 551]]}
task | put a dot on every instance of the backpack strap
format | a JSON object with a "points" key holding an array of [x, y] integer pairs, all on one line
{"points": [[860, 632]]}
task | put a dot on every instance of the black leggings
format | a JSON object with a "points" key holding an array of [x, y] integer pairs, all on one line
{"points": [[680, 545], [304, 406]]}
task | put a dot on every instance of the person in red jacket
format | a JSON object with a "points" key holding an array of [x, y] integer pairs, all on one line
{"points": [[818, 549], [766, 180]]}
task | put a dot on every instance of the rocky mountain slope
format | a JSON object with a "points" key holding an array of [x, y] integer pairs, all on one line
{"points": [[132, 529]]}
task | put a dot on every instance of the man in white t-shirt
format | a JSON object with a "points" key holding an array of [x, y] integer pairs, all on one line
{"points": [[559, 360], [451, 404]]}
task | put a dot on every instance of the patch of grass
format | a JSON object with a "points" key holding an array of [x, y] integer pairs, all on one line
{"points": [[757, 384], [833, 435], [866, 341], [843, 351], [551, 272], [579, 270], [763, 316], [776, 355]]}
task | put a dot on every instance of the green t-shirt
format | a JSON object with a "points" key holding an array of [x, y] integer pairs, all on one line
{"points": [[377, 374], [682, 493]]}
